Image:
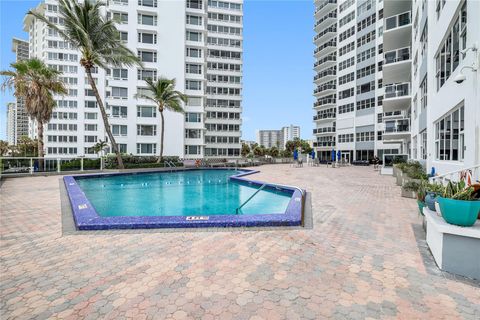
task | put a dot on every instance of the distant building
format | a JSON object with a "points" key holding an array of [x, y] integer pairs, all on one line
{"points": [[248, 142], [277, 138], [11, 123], [20, 122]]}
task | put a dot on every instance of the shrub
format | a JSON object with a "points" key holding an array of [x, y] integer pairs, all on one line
{"points": [[131, 161]]}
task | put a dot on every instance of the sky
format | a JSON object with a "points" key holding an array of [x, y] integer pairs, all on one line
{"points": [[278, 62]]}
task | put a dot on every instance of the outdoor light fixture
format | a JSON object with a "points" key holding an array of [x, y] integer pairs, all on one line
{"points": [[460, 77]]}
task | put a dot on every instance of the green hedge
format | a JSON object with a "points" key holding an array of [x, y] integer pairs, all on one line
{"points": [[131, 162], [88, 164]]}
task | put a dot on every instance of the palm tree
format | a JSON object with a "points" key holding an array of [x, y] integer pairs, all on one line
{"points": [[36, 83], [164, 95], [98, 41], [100, 146]]}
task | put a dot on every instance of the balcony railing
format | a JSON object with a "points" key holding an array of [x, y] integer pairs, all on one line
{"points": [[332, 14], [331, 57], [327, 72], [324, 144], [324, 130], [332, 28], [395, 113], [324, 101], [329, 44], [324, 116], [326, 3], [398, 55], [398, 20], [397, 90], [327, 86], [397, 126]]}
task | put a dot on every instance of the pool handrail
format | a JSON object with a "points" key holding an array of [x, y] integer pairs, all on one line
{"points": [[253, 195]]}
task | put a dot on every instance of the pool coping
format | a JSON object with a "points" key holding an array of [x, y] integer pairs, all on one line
{"points": [[86, 217]]}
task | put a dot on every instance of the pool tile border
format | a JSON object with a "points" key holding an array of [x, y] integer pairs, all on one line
{"points": [[86, 217]]}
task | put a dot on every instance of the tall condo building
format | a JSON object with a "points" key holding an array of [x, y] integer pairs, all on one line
{"points": [[11, 123], [348, 82], [278, 138], [198, 43], [19, 121], [398, 77]]}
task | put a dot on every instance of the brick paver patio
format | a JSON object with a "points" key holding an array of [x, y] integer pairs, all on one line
{"points": [[364, 258]]}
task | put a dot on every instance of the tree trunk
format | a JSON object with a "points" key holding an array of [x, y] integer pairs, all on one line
{"points": [[162, 134], [105, 118], [40, 145]]}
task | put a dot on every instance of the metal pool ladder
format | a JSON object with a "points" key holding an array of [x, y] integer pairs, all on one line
{"points": [[253, 195], [170, 164]]}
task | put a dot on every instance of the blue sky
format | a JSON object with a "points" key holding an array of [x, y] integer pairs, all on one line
{"points": [[278, 62]]}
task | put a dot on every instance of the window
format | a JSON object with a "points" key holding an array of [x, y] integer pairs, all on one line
{"points": [[91, 115], [119, 92], [148, 20], [194, 36], [119, 112], [120, 17], [423, 93], [147, 56], [148, 3], [366, 38], [150, 38], [344, 138], [366, 54], [347, 48], [349, 107], [366, 22], [193, 133], [346, 78], [450, 137], [193, 150], [344, 6], [146, 112], [346, 93], [194, 53], [146, 130], [90, 104], [346, 34], [193, 68], [366, 87], [146, 148], [365, 136], [194, 20], [349, 17], [118, 74], [123, 36], [366, 104], [193, 117], [193, 85], [147, 74], [119, 130], [90, 138], [90, 127], [364, 7], [423, 145], [346, 63], [366, 71], [448, 57]]}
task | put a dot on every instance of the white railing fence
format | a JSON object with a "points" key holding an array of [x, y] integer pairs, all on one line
{"points": [[470, 175]]}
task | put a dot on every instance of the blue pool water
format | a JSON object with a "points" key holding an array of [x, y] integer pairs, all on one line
{"points": [[182, 193]]}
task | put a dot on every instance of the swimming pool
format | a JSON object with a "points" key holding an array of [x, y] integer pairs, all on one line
{"points": [[180, 198]]}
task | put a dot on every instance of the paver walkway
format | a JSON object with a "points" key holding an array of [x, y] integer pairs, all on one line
{"points": [[364, 258]]}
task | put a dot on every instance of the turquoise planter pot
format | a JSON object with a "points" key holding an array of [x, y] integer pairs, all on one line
{"points": [[430, 200], [420, 204], [459, 212]]}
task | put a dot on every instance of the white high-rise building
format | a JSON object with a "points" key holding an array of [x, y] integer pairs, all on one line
{"points": [[19, 122], [11, 123], [398, 77], [198, 43], [349, 88], [277, 138]]}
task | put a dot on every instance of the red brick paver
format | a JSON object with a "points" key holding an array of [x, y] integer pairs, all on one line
{"points": [[364, 258]]}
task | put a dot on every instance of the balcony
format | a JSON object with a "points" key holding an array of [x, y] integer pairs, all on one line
{"points": [[327, 88], [397, 65], [324, 144], [325, 116], [326, 20], [398, 31], [325, 34], [326, 75], [397, 97], [393, 115], [323, 7], [326, 130], [395, 130], [326, 48], [326, 61], [329, 101]]}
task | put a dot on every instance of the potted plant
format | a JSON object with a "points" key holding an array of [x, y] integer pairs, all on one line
{"points": [[459, 204], [433, 190], [418, 190]]}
